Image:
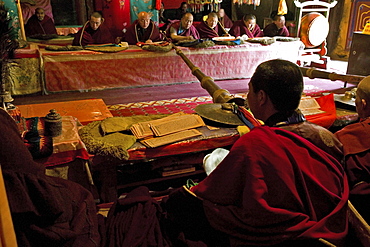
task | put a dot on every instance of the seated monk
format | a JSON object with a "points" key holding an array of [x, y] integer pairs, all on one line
{"points": [[277, 27], [210, 28], [274, 188], [93, 32], [356, 145], [39, 24], [142, 30], [183, 29], [225, 21], [46, 211], [246, 26]]}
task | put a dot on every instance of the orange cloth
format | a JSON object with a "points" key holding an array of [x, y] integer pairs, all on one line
{"points": [[7, 235]]}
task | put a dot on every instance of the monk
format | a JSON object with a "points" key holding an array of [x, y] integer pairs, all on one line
{"points": [[274, 187], [277, 27], [46, 211], [93, 32], [225, 21], [183, 29], [142, 30], [246, 26], [356, 144], [40, 24], [180, 11], [210, 28]]}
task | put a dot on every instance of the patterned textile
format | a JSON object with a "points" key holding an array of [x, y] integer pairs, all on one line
{"points": [[24, 76], [143, 5]]}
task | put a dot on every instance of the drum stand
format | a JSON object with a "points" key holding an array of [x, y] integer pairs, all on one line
{"points": [[313, 55]]}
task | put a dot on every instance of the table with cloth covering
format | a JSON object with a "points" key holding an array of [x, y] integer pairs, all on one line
{"points": [[89, 70]]}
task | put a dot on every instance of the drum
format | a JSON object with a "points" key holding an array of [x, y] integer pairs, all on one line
{"points": [[314, 29]]}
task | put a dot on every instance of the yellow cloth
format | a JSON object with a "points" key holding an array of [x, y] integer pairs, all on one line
{"points": [[282, 9], [7, 235], [242, 130], [366, 28]]}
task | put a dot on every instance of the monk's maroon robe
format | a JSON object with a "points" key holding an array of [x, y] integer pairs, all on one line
{"points": [[36, 27], [272, 30], [132, 35], [356, 145], [226, 21], [206, 32], [192, 31], [239, 29], [274, 187], [90, 36], [46, 211]]}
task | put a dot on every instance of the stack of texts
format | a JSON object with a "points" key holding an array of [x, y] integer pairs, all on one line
{"points": [[176, 127], [309, 106]]}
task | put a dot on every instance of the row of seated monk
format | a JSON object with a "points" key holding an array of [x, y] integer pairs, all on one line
{"points": [[146, 31], [285, 183]]}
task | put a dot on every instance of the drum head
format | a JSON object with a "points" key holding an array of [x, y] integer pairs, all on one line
{"points": [[314, 29]]}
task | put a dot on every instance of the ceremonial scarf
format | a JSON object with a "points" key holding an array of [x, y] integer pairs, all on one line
{"points": [[152, 33], [275, 186], [239, 29]]}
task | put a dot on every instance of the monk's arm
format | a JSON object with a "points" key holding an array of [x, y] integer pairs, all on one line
{"points": [[176, 37]]}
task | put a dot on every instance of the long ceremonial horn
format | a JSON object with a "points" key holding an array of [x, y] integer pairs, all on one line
{"points": [[314, 73], [223, 28], [218, 94]]}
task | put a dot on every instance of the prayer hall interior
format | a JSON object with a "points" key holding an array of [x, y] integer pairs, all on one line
{"points": [[96, 91]]}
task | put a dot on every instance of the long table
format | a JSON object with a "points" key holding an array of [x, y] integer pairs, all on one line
{"points": [[134, 67]]}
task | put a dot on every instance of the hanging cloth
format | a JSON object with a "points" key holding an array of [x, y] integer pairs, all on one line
{"points": [[282, 9]]}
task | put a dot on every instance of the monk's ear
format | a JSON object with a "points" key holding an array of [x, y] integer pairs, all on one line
{"points": [[364, 104], [262, 97], [102, 20]]}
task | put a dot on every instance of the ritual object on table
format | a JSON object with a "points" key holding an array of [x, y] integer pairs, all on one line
{"points": [[63, 48], [53, 124], [261, 40], [161, 46], [176, 127], [107, 48]]}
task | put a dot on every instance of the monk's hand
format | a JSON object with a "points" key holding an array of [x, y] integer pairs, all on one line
{"points": [[190, 37], [149, 41], [226, 35], [118, 40]]}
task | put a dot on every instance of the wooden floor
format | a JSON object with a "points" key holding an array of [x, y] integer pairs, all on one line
{"points": [[130, 95]]}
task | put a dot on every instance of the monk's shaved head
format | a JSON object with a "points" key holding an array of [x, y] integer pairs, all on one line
{"points": [[187, 20], [363, 98], [96, 15], [212, 15], [212, 20], [95, 20], [144, 19], [363, 88]]}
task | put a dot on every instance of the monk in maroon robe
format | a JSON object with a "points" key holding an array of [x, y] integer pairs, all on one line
{"points": [[277, 27], [93, 32], [210, 28], [225, 21], [46, 211], [356, 144], [246, 26], [274, 187], [40, 24], [183, 29], [142, 30]]}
